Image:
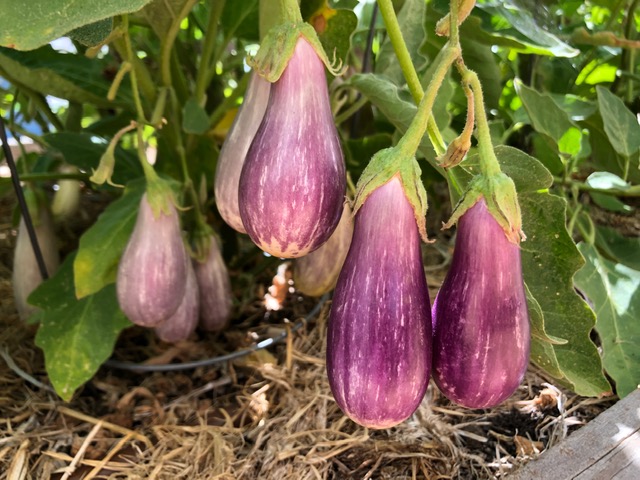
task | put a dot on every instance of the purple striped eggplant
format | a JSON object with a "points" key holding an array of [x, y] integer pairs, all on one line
{"points": [[481, 323], [317, 273], [26, 274], [153, 269], [215, 290], [184, 321], [234, 150], [293, 181], [379, 332]]}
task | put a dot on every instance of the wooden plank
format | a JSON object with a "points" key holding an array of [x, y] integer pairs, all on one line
{"points": [[606, 448]]}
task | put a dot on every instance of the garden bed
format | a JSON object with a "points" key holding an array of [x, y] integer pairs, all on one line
{"points": [[266, 415]]}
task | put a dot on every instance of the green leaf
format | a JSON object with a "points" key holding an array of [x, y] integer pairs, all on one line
{"points": [[393, 104], [549, 262], [528, 174], [85, 150], [542, 353], [161, 13], [624, 250], [101, 246], [620, 125], [411, 20], [93, 33], [548, 118], [614, 290], [240, 19], [517, 27], [26, 25], [194, 118], [336, 34], [73, 77], [76, 336]]}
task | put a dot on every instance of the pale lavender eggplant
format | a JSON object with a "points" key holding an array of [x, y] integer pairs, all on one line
{"points": [[234, 150], [153, 269], [379, 332], [481, 322], [293, 181], [317, 273], [26, 274], [184, 321], [215, 290]]}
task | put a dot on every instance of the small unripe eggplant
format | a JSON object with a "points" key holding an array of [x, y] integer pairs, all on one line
{"points": [[66, 201], [481, 323], [379, 331], [234, 150], [215, 290], [153, 269], [184, 321], [317, 273], [26, 274], [293, 181]]}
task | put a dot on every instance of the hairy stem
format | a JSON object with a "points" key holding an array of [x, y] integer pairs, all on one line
{"points": [[408, 69]]}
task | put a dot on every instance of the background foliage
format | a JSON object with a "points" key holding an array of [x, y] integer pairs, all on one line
{"points": [[561, 85]]}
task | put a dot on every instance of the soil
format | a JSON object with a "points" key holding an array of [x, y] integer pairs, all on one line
{"points": [[269, 415]]}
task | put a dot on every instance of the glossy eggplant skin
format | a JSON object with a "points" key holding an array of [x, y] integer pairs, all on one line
{"points": [[215, 290], [481, 323], [379, 331], [153, 269], [184, 321], [26, 274], [293, 181], [317, 273], [234, 150]]}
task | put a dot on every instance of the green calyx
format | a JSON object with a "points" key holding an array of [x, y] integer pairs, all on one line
{"points": [[160, 195], [385, 165], [201, 239], [277, 47], [499, 193]]}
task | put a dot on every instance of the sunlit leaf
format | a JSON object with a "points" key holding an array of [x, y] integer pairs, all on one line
{"points": [[614, 290]]}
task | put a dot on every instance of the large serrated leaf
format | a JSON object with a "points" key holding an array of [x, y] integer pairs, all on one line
{"points": [[77, 336], [549, 261], [101, 246], [411, 20], [620, 125], [614, 290], [542, 353], [26, 25], [72, 77]]}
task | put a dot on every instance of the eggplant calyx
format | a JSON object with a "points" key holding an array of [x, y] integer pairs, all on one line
{"points": [[277, 47], [389, 163], [501, 198]]}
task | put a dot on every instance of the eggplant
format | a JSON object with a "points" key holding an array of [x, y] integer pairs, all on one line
{"points": [[317, 273], [379, 331], [215, 290], [184, 321], [481, 323], [26, 274], [293, 181], [153, 269], [234, 150]]}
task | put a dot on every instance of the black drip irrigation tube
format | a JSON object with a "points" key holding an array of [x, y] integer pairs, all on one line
{"points": [[28, 221], [171, 367]]}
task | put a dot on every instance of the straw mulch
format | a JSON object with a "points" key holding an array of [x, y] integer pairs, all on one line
{"points": [[266, 416]]}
